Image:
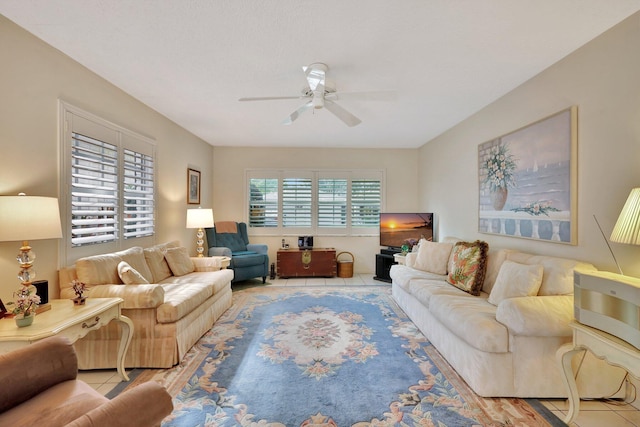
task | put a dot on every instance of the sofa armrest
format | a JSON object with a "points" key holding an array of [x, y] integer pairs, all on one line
{"points": [[30, 370], [134, 296], [258, 248], [219, 251], [209, 263], [144, 405], [410, 259], [539, 316]]}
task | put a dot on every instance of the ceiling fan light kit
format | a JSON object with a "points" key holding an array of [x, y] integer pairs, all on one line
{"points": [[320, 93]]}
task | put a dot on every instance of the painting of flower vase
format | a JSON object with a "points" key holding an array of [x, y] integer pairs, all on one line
{"points": [[527, 181]]}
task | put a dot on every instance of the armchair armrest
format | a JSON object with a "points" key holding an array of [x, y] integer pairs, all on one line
{"points": [[30, 370], [539, 316], [258, 247], [144, 405], [219, 251], [134, 296]]}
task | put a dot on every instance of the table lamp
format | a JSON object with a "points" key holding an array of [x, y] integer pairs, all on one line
{"points": [[627, 228], [199, 218], [24, 218]]}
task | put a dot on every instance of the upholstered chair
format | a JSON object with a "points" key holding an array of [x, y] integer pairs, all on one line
{"points": [[248, 260], [40, 388]]}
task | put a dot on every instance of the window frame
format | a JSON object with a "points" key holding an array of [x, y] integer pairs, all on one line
{"points": [[316, 175], [74, 120]]}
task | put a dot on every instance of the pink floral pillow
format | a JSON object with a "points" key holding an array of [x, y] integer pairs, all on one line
{"points": [[467, 266]]}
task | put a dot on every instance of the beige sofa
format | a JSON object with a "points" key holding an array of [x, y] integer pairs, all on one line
{"points": [[39, 388], [182, 300], [503, 341]]}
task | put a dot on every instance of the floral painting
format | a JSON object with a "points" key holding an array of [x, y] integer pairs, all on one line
{"points": [[527, 181]]}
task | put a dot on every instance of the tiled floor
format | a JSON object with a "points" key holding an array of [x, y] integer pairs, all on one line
{"points": [[592, 413]]}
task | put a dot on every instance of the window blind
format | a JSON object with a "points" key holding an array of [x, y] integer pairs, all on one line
{"points": [[296, 202], [94, 190], [332, 202], [138, 193], [365, 202]]}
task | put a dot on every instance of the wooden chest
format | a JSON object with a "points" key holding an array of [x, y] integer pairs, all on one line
{"points": [[317, 262]]}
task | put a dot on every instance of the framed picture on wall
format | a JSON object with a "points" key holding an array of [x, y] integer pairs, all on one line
{"points": [[193, 187], [528, 179]]}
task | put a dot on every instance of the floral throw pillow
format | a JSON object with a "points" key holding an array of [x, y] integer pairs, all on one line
{"points": [[467, 266]]}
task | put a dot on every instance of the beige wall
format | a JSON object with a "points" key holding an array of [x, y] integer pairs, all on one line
{"points": [[34, 77], [602, 79], [400, 168]]}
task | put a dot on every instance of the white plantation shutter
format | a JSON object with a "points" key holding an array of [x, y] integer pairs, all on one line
{"points": [[108, 190], [296, 202], [365, 202], [323, 202], [139, 205], [332, 202], [94, 190], [263, 202]]}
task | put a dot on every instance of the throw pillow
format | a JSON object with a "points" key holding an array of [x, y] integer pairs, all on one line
{"points": [[179, 261], [516, 280], [468, 265], [433, 256], [129, 275], [157, 263]]}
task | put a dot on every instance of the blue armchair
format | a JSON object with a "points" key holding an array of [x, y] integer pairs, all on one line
{"points": [[230, 239]]}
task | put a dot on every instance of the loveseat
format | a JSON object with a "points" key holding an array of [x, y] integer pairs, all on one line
{"points": [[171, 298], [500, 329], [40, 388]]}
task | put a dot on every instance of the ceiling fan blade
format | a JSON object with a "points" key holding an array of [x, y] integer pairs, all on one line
{"points": [[383, 95], [348, 118], [272, 98], [293, 116]]}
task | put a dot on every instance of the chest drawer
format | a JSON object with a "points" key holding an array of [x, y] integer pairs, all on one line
{"points": [[307, 263]]}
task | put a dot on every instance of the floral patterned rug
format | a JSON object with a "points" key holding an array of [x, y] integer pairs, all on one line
{"points": [[283, 356]]}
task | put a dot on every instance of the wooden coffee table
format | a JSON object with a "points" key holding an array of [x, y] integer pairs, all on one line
{"points": [[71, 321]]}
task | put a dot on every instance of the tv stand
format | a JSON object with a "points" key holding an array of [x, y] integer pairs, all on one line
{"points": [[384, 261]]}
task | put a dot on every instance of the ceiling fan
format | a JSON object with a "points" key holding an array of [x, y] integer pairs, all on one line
{"points": [[321, 93]]}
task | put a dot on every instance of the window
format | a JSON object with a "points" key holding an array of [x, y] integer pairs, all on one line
{"points": [[108, 190], [314, 202]]}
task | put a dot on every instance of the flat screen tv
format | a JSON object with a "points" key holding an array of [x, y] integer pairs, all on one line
{"points": [[397, 228]]}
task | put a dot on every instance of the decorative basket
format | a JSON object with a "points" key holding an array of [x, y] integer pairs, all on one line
{"points": [[345, 268]]}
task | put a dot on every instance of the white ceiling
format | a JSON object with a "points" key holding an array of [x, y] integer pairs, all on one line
{"points": [[192, 59]]}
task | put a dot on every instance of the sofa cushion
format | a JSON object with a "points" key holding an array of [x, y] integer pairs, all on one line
{"points": [[433, 256], [558, 272], [129, 275], [135, 258], [494, 262], [516, 280], [471, 319], [467, 266], [180, 300], [157, 263], [402, 275], [179, 261], [424, 289]]}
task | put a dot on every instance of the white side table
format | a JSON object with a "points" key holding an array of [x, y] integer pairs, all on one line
{"points": [[71, 321], [604, 346], [399, 258]]}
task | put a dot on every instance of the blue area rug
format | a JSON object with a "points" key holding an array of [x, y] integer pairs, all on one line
{"points": [[326, 357]]}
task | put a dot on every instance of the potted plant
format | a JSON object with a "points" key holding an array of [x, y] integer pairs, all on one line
{"points": [[79, 288], [25, 304]]}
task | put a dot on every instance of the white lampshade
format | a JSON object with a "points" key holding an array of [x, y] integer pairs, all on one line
{"points": [[627, 228], [199, 218], [29, 218]]}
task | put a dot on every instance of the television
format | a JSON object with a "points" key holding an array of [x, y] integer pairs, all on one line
{"points": [[398, 228]]}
